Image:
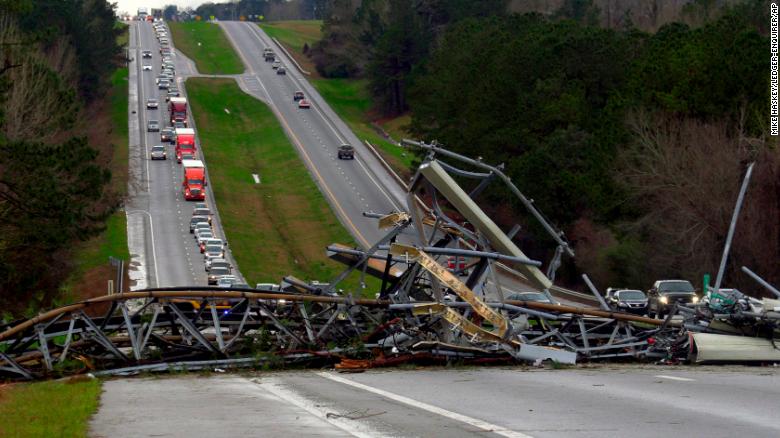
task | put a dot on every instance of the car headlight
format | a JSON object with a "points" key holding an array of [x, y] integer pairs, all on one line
{"points": [[664, 300], [622, 304], [695, 299]]}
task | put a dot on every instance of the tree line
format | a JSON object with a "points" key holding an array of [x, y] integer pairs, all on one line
{"points": [[633, 142], [57, 59]]}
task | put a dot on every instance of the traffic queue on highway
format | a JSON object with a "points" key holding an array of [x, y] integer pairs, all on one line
{"points": [[178, 133]]}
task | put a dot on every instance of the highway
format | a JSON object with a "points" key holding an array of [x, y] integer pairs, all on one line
{"points": [[610, 401], [350, 186], [163, 252]]}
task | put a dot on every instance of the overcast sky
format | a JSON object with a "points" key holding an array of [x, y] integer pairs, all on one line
{"points": [[132, 6]]}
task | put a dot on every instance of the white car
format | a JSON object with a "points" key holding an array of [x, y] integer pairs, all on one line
{"points": [[147, 67], [226, 281], [203, 235]]}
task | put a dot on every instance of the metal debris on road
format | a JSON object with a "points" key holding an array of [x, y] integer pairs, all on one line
{"points": [[441, 299]]}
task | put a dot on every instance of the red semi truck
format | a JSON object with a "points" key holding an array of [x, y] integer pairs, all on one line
{"points": [[177, 108], [185, 142], [194, 185]]}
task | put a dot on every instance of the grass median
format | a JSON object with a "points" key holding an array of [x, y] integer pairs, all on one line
{"points": [[282, 225], [348, 97], [206, 44], [48, 409]]}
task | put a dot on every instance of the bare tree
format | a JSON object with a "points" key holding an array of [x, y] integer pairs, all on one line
{"points": [[686, 175], [39, 104]]}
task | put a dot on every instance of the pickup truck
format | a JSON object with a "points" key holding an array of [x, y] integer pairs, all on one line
{"points": [[665, 293]]}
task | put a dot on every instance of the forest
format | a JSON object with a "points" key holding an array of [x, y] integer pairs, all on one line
{"points": [[631, 140], [57, 59]]}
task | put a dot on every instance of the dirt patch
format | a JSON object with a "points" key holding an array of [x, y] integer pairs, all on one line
{"points": [[94, 283]]}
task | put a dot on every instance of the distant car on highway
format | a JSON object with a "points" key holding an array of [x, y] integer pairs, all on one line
{"points": [[215, 273], [163, 84], [214, 251], [281, 71], [195, 220], [146, 54], [152, 104], [202, 212], [168, 134], [153, 126], [303, 103], [158, 153], [276, 64], [179, 125], [627, 300], [298, 95], [346, 152], [201, 226], [217, 263], [213, 241], [146, 67], [227, 281]]}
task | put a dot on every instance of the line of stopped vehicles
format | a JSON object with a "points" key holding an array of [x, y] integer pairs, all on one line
{"points": [[193, 186]]}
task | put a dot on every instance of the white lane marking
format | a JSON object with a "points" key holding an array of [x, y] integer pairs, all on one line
{"points": [[354, 428], [154, 250], [484, 425], [680, 379]]}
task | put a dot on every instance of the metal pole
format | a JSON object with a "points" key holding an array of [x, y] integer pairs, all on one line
{"points": [[761, 281], [556, 235], [595, 291], [732, 227]]}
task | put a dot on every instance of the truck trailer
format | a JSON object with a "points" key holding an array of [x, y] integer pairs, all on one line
{"points": [[185, 142], [177, 108], [194, 184]]}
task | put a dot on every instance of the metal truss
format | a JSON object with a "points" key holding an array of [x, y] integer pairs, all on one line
{"points": [[441, 299]]}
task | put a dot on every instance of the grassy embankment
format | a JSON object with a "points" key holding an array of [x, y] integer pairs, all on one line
{"points": [[206, 44], [282, 225], [48, 409], [348, 97], [91, 257]]}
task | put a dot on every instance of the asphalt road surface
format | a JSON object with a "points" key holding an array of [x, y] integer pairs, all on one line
{"points": [[350, 186], [163, 252], [608, 401]]}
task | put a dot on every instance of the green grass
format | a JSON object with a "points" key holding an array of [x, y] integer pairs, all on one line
{"points": [[118, 102], [281, 226], [295, 33], [352, 102], [215, 55], [125, 36], [48, 409], [112, 242]]}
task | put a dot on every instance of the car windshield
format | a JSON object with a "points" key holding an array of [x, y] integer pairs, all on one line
{"points": [[631, 295], [675, 286], [194, 182], [158, 148], [201, 211], [214, 248], [219, 271]]}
